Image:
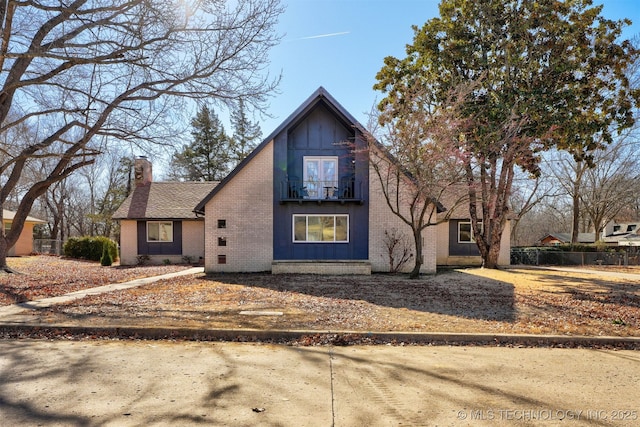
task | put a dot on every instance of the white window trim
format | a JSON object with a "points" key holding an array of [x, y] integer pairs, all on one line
{"points": [[473, 237], [322, 180], [159, 223], [293, 228]]}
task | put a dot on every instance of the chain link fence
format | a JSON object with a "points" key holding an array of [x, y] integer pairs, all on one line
{"points": [[535, 256], [47, 246]]}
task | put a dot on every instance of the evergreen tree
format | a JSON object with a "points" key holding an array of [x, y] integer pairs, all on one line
{"points": [[206, 158], [545, 75], [246, 134]]}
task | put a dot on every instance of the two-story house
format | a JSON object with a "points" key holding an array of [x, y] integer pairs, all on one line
{"points": [[307, 200]]}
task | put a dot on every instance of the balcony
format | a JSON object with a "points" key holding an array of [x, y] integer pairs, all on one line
{"points": [[347, 190]]}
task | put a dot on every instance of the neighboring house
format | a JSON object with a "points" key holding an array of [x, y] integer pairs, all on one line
{"points": [[157, 221], [622, 234], [556, 239], [24, 245], [306, 200]]}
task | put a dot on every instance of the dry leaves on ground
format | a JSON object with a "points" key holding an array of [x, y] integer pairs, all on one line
{"points": [[472, 300], [48, 276]]}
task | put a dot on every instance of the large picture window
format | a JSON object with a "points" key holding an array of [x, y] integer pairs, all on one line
{"points": [[320, 176], [159, 231], [321, 228]]}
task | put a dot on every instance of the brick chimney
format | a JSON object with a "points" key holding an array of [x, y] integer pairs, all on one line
{"points": [[142, 171]]}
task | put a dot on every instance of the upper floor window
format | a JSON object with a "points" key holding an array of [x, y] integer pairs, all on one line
{"points": [[320, 176], [159, 231]]}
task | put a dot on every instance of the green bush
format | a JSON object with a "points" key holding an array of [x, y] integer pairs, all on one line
{"points": [[90, 248], [106, 259]]}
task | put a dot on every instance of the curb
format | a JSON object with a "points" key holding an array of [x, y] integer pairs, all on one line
{"points": [[309, 338]]}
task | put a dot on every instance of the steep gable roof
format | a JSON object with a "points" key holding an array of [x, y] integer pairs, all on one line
{"points": [[319, 96], [164, 200]]}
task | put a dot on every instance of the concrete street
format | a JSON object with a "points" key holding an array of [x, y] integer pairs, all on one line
{"points": [[157, 383]]}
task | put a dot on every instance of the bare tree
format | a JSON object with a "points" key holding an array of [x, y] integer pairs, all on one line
{"points": [[415, 164], [80, 70], [105, 186], [569, 171], [612, 184], [527, 201]]}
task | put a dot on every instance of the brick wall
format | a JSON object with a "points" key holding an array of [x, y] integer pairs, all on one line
{"points": [[381, 218], [321, 267], [245, 203]]}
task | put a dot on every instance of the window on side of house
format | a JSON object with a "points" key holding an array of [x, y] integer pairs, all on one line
{"points": [[320, 228], [222, 241], [159, 231], [465, 232], [222, 223], [320, 176]]}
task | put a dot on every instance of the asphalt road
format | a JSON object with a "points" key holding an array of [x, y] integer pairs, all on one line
{"points": [[157, 383]]}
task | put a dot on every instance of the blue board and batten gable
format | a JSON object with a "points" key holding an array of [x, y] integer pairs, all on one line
{"points": [[320, 129]]}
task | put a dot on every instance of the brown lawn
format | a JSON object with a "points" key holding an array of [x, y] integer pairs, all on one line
{"points": [[523, 301]]}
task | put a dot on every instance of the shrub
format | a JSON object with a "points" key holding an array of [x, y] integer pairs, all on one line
{"points": [[106, 260], [90, 248]]}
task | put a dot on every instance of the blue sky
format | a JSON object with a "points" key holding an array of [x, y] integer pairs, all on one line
{"points": [[341, 44]]}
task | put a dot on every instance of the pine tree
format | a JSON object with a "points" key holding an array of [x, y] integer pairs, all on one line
{"points": [[246, 134], [206, 158]]}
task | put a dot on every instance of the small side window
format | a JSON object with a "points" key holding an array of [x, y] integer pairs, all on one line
{"points": [[222, 259], [222, 223], [222, 241]]}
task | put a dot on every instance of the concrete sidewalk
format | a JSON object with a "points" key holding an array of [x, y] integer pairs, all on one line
{"points": [[15, 309], [138, 383]]}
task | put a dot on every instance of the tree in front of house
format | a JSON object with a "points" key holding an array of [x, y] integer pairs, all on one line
{"points": [[548, 74], [207, 157], [414, 164], [246, 135], [82, 72]]}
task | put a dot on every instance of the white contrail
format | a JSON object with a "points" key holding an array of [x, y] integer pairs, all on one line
{"points": [[325, 35]]}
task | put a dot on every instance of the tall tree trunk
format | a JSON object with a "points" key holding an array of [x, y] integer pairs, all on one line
{"points": [[4, 251], [575, 198], [417, 239]]}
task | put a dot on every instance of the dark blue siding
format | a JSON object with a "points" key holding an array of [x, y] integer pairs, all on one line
{"points": [[160, 248], [320, 133]]}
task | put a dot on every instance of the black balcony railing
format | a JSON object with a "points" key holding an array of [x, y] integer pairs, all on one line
{"points": [[346, 189]]}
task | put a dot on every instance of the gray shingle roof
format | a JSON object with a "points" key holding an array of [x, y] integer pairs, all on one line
{"points": [[164, 200]]}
